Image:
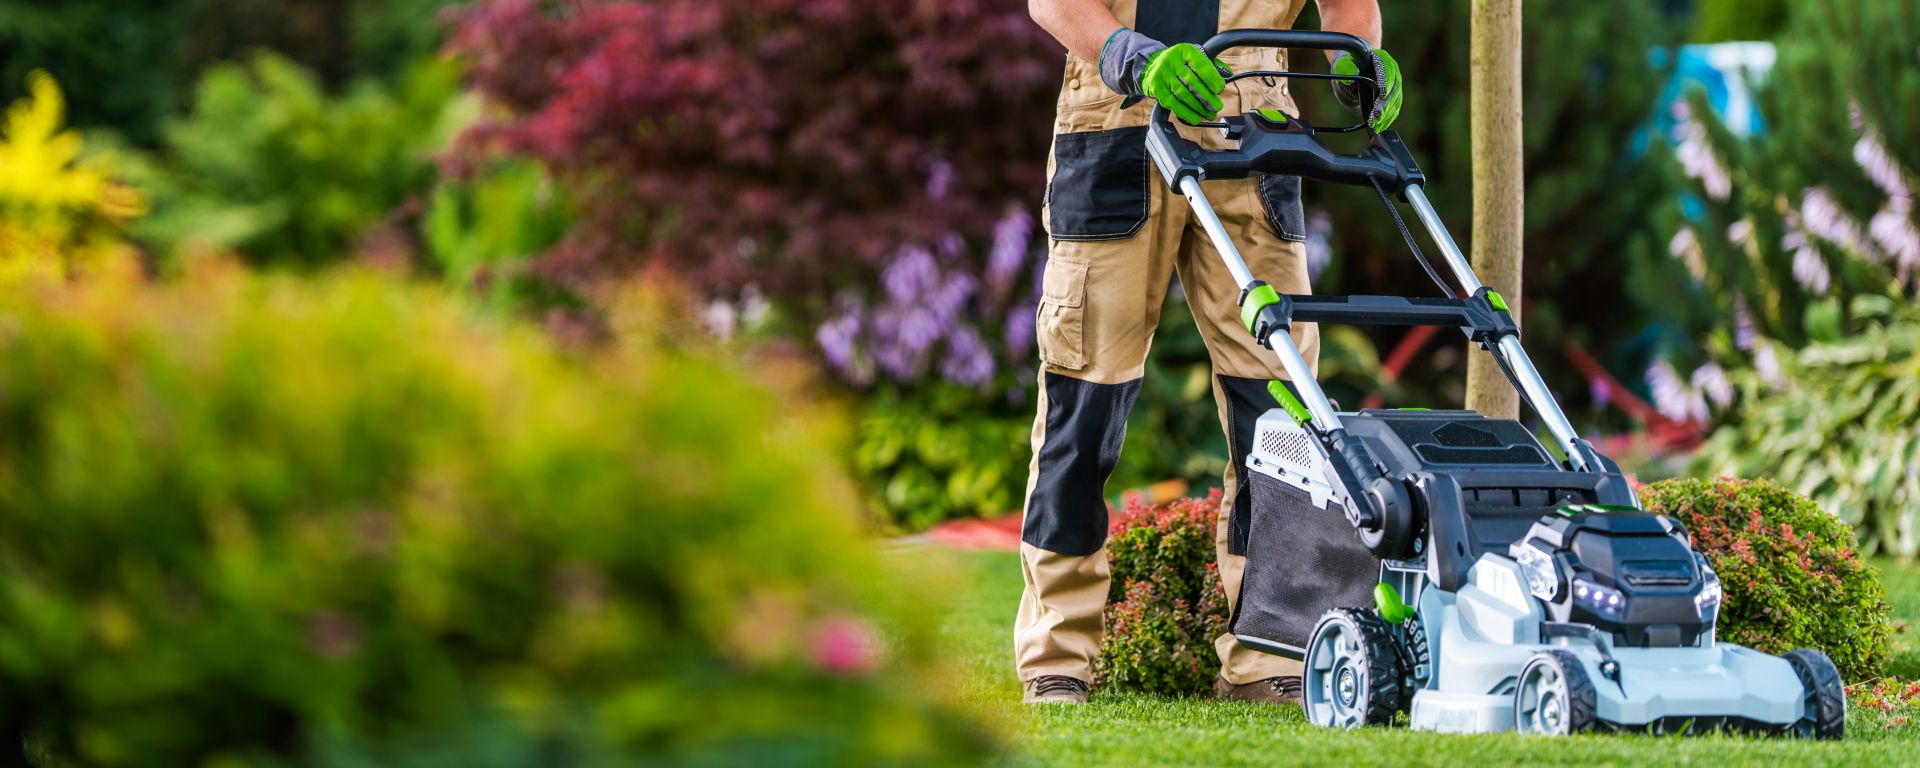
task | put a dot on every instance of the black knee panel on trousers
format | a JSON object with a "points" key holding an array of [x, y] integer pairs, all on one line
{"points": [[1246, 400], [1086, 423]]}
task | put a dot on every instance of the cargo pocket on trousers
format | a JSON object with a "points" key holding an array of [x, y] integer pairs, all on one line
{"points": [[1060, 322], [1280, 196], [1099, 185]]}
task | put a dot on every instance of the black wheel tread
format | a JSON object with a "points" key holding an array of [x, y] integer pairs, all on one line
{"points": [[1383, 664], [1826, 694], [1580, 693]]}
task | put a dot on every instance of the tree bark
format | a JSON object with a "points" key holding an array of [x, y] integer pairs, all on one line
{"points": [[1499, 184]]}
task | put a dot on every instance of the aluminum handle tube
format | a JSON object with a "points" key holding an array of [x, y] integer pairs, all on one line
{"points": [[1535, 390], [1462, 270], [1294, 363]]}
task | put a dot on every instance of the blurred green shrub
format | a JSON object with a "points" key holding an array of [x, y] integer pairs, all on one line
{"points": [[483, 232], [269, 165], [1166, 604], [61, 211], [1790, 572], [1840, 422], [1716, 21], [346, 521], [931, 453], [138, 61], [1802, 243]]}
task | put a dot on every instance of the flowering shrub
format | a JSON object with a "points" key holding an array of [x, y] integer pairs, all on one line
{"points": [[350, 522], [796, 144], [1789, 572], [60, 212], [1166, 605]]}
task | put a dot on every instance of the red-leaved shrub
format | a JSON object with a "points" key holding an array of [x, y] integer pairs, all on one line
{"points": [[801, 140], [1789, 571], [1166, 605]]}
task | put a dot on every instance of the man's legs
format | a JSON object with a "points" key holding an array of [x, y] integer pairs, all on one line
{"points": [[1100, 302], [1241, 370]]}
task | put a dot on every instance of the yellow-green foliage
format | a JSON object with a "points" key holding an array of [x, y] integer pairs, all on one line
{"points": [[345, 521], [58, 212]]}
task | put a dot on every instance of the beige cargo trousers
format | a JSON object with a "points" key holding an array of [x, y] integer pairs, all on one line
{"points": [[1117, 235]]}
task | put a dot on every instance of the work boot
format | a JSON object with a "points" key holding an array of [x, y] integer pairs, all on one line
{"points": [[1056, 689], [1273, 690]]}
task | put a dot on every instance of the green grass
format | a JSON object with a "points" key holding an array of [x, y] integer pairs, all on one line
{"points": [[1135, 730]]}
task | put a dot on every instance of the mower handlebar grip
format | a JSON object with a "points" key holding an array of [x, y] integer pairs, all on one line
{"points": [[1287, 38]]}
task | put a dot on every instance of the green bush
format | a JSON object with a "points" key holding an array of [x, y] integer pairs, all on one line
{"points": [[1836, 422], [347, 521], [271, 165], [1789, 571], [1166, 605]]}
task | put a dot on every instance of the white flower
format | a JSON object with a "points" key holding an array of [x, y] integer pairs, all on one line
{"points": [[1673, 397], [1712, 381], [1685, 246], [1697, 159]]}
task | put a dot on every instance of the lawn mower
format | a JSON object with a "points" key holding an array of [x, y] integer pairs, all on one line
{"points": [[1492, 585]]}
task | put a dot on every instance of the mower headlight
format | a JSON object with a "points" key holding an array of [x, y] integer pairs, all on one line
{"points": [[1708, 601], [1608, 602], [1543, 579]]}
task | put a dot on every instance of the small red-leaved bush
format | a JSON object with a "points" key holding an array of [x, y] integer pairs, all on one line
{"points": [[1791, 576], [1166, 606]]}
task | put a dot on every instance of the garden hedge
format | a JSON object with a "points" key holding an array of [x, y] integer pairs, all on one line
{"points": [[347, 521], [1789, 571]]}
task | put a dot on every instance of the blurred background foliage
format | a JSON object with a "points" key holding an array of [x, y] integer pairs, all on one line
{"points": [[517, 150], [243, 525], [1785, 296]]}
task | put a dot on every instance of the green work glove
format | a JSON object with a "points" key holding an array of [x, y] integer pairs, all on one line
{"points": [[1181, 78], [1386, 72], [1185, 81]]}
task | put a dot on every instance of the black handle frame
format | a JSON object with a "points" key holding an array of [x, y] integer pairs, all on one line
{"points": [[1286, 147]]}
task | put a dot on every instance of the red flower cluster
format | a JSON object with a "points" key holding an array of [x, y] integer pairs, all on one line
{"points": [[801, 139]]}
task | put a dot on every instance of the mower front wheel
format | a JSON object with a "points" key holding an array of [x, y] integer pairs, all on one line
{"points": [[1826, 709], [1555, 697], [1353, 673]]}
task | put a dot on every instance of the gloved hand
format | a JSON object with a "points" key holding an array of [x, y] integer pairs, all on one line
{"points": [[1182, 78], [1386, 72]]}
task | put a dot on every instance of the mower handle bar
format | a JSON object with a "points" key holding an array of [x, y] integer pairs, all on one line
{"points": [[1378, 506]]}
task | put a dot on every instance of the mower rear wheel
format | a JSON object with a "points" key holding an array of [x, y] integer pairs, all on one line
{"points": [[1554, 697], [1353, 674], [1826, 712]]}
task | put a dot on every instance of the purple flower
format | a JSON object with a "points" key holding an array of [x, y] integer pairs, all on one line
{"points": [[1809, 269], [1011, 235], [1672, 396], [967, 361], [1711, 381], [839, 339], [1697, 157], [1880, 166], [1601, 393], [1019, 329], [1744, 332], [912, 273], [939, 178]]}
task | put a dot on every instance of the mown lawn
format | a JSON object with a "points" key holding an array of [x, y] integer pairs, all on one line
{"points": [[1128, 730]]}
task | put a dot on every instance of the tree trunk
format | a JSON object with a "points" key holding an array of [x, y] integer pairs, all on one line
{"points": [[1498, 184]]}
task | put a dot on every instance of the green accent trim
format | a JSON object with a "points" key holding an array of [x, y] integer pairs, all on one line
{"points": [[1273, 114], [1499, 302], [1413, 409], [1261, 297], [1599, 509], [1289, 403], [1386, 600], [1103, 46]]}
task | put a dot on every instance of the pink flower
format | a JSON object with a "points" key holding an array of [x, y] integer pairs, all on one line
{"points": [[845, 645]]}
